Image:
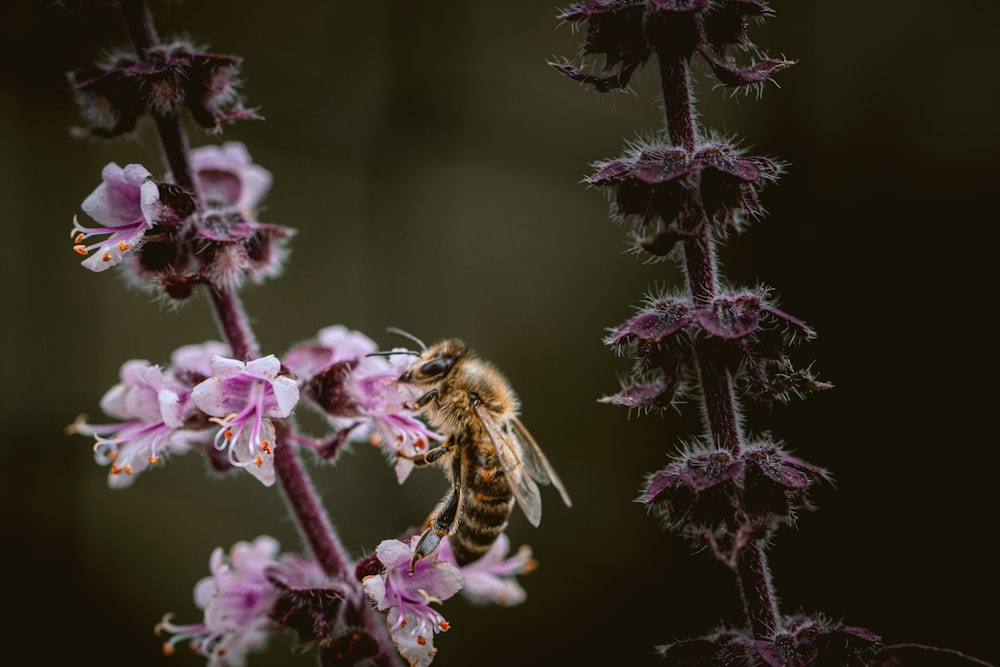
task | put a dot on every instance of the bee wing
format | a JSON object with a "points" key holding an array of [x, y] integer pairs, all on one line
{"points": [[521, 485], [535, 462]]}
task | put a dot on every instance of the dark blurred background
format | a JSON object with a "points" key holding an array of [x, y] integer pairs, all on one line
{"points": [[431, 161]]}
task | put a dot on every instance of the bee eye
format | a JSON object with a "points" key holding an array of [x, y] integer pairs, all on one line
{"points": [[434, 367]]}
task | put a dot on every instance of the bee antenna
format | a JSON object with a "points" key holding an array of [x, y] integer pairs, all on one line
{"points": [[406, 334], [389, 353]]}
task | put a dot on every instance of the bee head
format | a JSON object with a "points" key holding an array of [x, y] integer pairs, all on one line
{"points": [[435, 362]]}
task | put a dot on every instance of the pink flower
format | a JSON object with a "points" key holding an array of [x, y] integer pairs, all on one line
{"points": [[407, 598], [154, 408], [126, 204], [229, 179], [361, 396], [243, 397], [492, 577], [237, 598]]}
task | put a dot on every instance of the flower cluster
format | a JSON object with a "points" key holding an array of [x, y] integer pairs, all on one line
{"points": [[407, 592], [805, 641], [745, 335], [628, 32], [714, 185], [174, 239], [236, 598], [360, 395], [158, 415], [166, 411], [165, 80], [723, 492]]}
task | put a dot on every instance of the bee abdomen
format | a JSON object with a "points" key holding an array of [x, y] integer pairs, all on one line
{"points": [[481, 521]]}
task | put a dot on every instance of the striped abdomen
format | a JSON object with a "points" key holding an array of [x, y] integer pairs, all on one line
{"points": [[486, 503]]}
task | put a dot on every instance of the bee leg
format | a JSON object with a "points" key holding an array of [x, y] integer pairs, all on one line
{"points": [[441, 525], [428, 457], [424, 400]]}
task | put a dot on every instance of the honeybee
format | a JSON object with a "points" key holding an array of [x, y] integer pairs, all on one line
{"points": [[489, 456]]}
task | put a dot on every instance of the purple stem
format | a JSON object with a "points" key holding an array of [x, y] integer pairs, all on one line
{"points": [[306, 507], [758, 593], [234, 323], [720, 408], [675, 83]]}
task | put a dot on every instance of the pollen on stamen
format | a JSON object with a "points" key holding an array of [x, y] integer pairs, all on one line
{"points": [[228, 434], [266, 445], [153, 459], [116, 470], [128, 470], [420, 444], [402, 622], [78, 238], [399, 438], [106, 257], [444, 625], [168, 650], [421, 640], [123, 246], [260, 460], [80, 249]]}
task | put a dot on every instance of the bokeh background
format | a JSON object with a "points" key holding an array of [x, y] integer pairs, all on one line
{"points": [[431, 161]]}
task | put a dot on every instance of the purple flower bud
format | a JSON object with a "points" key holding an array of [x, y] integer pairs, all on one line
{"points": [[712, 489], [167, 79], [628, 32], [233, 244], [308, 601], [715, 184]]}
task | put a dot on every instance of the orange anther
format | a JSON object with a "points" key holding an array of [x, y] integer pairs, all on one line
{"points": [[115, 470], [259, 460], [228, 434], [399, 438], [444, 625], [106, 257], [421, 640], [420, 444], [128, 470], [79, 238], [402, 623], [80, 250], [266, 446], [124, 246], [154, 459], [167, 649]]}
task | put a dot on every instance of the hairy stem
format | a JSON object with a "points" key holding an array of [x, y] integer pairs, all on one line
{"points": [[232, 319], [758, 595], [720, 408], [306, 506], [173, 140], [677, 107]]}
